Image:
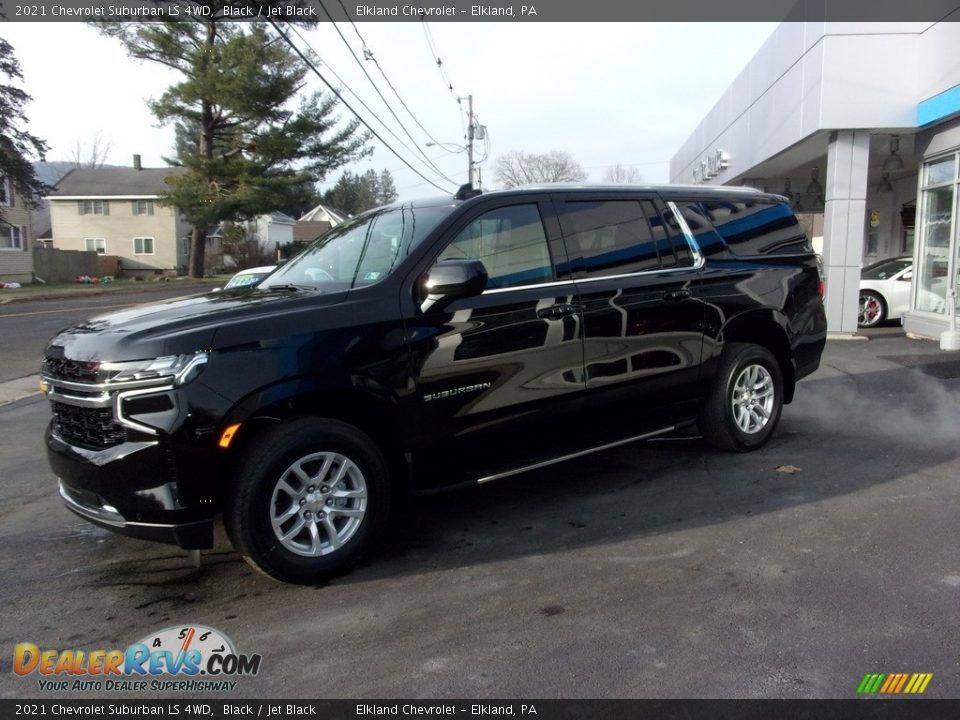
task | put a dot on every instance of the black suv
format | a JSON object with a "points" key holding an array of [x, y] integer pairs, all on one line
{"points": [[427, 345]]}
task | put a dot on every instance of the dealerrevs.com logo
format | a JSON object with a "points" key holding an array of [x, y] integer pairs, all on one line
{"points": [[188, 658]]}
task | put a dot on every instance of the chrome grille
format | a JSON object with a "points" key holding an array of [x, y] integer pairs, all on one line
{"points": [[88, 427], [74, 370]]}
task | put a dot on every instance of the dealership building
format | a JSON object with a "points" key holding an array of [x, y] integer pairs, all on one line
{"points": [[859, 125]]}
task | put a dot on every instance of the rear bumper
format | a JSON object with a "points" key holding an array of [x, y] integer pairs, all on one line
{"points": [[190, 534]]}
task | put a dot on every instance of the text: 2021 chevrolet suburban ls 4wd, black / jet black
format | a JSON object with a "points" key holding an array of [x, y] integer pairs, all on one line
{"points": [[427, 345]]}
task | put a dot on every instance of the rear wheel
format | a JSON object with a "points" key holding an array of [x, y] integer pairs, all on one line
{"points": [[744, 405], [308, 499], [873, 309]]}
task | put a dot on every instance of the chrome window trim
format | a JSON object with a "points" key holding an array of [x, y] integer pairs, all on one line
{"points": [[553, 283], [698, 260]]}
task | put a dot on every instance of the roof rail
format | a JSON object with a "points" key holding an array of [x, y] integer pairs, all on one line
{"points": [[467, 191]]}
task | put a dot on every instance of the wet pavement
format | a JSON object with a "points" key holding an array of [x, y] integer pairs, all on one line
{"points": [[660, 569]]}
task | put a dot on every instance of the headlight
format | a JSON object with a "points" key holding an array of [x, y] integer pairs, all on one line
{"points": [[181, 369]]}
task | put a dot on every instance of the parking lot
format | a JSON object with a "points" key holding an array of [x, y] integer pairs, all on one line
{"points": [[661, 569]]}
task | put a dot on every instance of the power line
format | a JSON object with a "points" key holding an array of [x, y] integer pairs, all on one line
{"points": [[380, 94], [348, 106], [443, 73], [351, 91], [368, 55]]}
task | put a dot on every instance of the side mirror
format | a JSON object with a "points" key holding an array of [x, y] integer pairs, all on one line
{"points": [[451, 280], [907, 276]]}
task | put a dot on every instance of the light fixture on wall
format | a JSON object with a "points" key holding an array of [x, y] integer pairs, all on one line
{"points": [[885, 186], [815, 188], [894, 163], [786, 189]]}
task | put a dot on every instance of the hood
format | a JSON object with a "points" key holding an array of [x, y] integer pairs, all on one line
{"points": [[181, 325]]}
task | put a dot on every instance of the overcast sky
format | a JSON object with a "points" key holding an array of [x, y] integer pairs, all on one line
{"points": [[606, 93]]}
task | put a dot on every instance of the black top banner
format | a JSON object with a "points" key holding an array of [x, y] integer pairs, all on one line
{"points": [[473, 709], [461, 11]]}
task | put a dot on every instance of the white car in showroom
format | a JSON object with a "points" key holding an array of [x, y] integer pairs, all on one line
{"points": [[884, 291]]}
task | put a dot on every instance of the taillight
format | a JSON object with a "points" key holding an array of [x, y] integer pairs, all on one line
{"points": [[821, 289]]}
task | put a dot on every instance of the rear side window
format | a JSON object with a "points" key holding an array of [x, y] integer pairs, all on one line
{"points": [[609, 237], [511, 244], [757, 227]]}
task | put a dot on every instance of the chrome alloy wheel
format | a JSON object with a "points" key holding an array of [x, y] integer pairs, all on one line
{"points": [[318, 504], [870, 311], [753, 397]]}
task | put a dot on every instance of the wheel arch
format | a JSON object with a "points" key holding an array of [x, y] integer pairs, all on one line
{"points": [[375, 415], [770, 330]]}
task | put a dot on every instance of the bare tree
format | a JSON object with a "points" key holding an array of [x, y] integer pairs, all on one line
{"points": [[520, 168], [622, 175], [92, 154]]}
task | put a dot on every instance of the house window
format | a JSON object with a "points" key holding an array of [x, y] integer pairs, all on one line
{"points": [[97, 245], [143, 246], [93, 207], [5, 193], [11, 237], [142, 207]]}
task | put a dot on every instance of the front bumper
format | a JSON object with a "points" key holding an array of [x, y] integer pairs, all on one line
{"points": [[190, 535], [125, 489]]}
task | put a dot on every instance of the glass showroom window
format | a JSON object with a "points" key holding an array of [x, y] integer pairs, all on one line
{"points": [[938, 228]]}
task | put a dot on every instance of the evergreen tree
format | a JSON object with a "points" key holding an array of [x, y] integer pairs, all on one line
{"points": [[244, 143], [17, 146], [355, 193]]}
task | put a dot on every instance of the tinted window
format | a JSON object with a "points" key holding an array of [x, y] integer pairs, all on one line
{"points": [[609, 237], [510, 242], [885, 269], [757, 227]]}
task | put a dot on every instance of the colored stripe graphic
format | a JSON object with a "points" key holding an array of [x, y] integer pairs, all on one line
{"points": [[894, 683]]}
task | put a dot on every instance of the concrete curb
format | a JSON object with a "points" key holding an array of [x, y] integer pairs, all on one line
{"points": [[14, 390]]}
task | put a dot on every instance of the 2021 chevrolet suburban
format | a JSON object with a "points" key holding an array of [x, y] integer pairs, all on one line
{"points": [[427, 345]]}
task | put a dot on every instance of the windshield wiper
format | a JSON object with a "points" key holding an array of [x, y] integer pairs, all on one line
{"points": [[290, 287]]}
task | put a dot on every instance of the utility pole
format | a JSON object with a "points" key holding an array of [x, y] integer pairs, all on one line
{"points": [[470, 133]]}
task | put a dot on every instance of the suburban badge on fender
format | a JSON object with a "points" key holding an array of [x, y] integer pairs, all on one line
{"points": [[429, 397]]}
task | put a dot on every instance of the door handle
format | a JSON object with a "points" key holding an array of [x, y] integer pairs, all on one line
{"points": [[555, 312], [677, 295]]}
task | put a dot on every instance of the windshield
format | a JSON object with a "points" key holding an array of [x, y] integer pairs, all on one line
{"points": [[886, 269], [360, 251]]}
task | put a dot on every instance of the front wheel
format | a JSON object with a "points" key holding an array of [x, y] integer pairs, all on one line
{"points": [[744, 405], [307, 500]]}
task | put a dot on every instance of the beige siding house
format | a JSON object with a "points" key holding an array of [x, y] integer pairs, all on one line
{"points": [[16, 237], [114, 211]]}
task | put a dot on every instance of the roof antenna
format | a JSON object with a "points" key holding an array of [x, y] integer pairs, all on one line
{"points": [[467, 191]]}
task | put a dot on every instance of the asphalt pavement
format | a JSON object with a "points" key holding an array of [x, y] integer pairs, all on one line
{"points": [[660, 569]]}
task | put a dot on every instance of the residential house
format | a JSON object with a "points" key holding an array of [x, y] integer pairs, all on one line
{"points": [[270, 231], [316, 222], [16, 234], [114, 211]]}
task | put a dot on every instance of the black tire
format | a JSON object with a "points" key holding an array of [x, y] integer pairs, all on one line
{"points": [[256, 494], [872, 309], [718, 420]]}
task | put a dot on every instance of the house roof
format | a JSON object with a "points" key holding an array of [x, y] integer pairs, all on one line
{"points": [[113, 182], [321, 213]]}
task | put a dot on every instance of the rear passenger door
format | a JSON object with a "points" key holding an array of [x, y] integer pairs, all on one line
{"points": [[637, 289]]}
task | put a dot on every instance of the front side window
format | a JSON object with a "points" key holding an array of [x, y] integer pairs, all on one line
{"points": [[97, 245], [609, 237], [511, 244], [143, 246], [10, 237]]}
